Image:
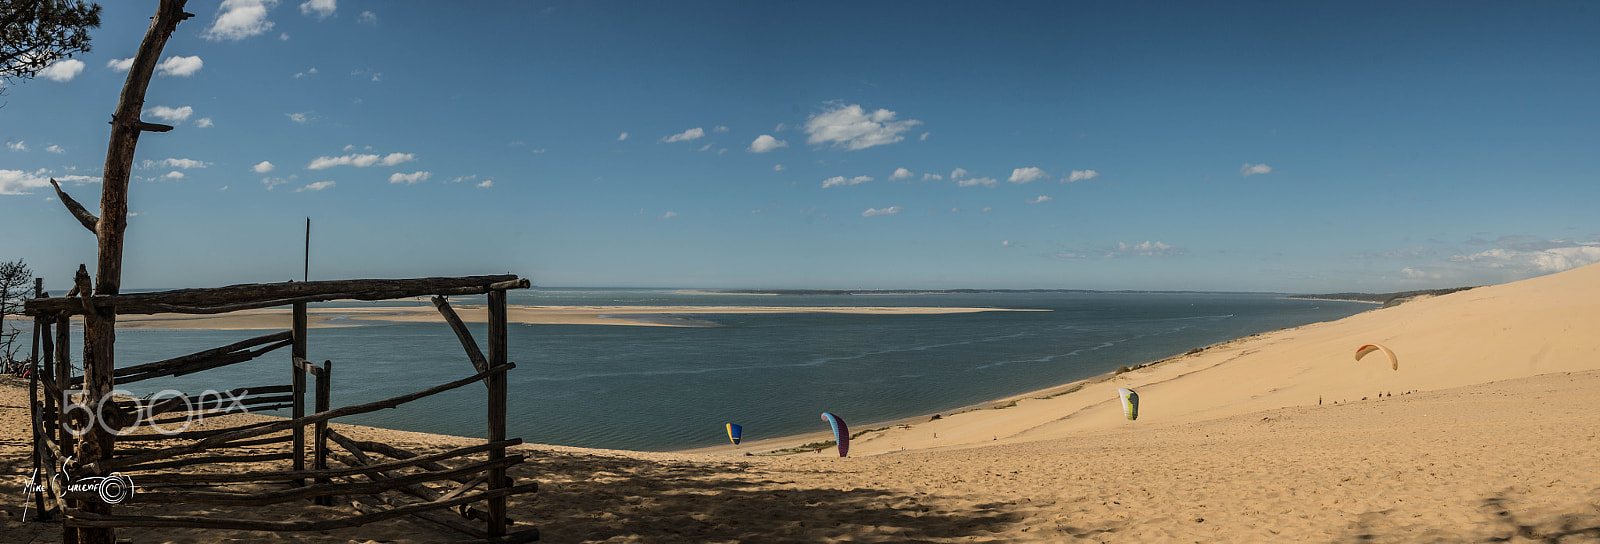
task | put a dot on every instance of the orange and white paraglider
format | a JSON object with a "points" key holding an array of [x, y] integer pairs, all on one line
{"points": [[1394, 362]]}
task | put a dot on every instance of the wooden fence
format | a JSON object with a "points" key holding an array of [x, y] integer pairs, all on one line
{"points": [[380, 481]]}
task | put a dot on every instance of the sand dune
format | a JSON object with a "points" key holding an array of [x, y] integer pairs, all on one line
{"points": [[1489, 434]]}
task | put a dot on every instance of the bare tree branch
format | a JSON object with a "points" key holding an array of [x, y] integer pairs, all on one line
{"points": [[88, 219]]}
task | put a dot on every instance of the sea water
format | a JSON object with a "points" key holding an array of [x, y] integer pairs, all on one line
{"points": [[665, 388]]}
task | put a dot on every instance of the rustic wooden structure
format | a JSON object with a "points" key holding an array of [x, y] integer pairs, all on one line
{"points": [[87, 519], [379, 489]]}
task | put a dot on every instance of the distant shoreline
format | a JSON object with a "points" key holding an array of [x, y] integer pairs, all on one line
{"points": [[642, 316]]}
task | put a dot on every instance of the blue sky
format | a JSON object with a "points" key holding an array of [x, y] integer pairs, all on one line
{"points": [[1263, 146]]}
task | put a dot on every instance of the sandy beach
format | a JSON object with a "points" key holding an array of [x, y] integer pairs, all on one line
{"points": [[424, 312], [1487, 431]]}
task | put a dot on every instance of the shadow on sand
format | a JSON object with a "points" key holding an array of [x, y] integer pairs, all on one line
{"points": [[585, 497]]}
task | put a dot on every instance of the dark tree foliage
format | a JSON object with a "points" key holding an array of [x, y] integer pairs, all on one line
{"points": [[36, 33], [15, 278]]}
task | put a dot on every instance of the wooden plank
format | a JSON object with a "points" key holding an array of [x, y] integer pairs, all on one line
{"points": [[169, 365], [223, 439], [315, 490], [257, 476], [211, 459], [431, 517], [497, 408], [245, 296], [63, 374], [79, 519], [358, 458], [297, 356], [320, 444], [465, 336]]}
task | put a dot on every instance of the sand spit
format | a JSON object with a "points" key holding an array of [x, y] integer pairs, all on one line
{"points": [[278, 318]]}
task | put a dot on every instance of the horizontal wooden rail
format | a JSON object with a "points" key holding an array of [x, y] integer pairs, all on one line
{"points": [[257, 476], [221, 439], [262, 295], [317, 490]]}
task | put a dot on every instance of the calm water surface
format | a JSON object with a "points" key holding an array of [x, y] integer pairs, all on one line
{"points": [[662, 388]]}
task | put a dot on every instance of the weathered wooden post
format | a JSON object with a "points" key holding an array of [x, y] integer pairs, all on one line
{"points": [[320, 458], [297, 360], [63, 378], [497, 408], [37, 409]]}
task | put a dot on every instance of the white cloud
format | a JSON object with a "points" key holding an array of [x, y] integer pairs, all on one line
{"points": [[464, 178], [80, 180], [1540, 261], [719, 128], [301, 118], [624, 136], [360, 161], [969, 182], [120, 65], [486, 184], [1146, 249], [765, 143], [924, 137], [174, 163], [872, 212], [274, 182], [262, 167], [1081, 175], [179, 66], [1025, 175], [668, 215], [204, 122], [1418, 274], [539, 151], [62, 70], [321, 9], [687, 135], [174, 175], [55, 149], [841, 180], [932, 177], [1006, 243], [987, 209], [1252, 169], [312, 70], [318, 186], [175, 115], [852, 128], [777, 168], [900, 173], [284, 36], [367, 17], [18, 182], [957, 173], [1039, 199], [18, 145], [706, 147], [410, 179], [240, 19]]}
